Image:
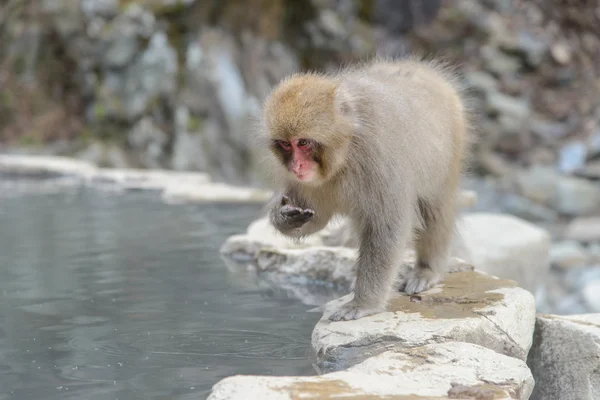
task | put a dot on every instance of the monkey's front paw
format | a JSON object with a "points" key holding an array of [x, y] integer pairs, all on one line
{"points": [[352, 310], [296, 216], [420, 279]]}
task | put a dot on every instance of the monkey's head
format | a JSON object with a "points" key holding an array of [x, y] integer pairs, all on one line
{"points": [[306, 128]]}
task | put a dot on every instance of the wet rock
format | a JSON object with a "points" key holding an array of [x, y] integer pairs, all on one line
{"points": [[466, 306], [452, 370], [568, 254], [584, 229], [505, 246], [565, 356]]}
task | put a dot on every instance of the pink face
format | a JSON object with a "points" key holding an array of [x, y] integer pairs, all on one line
{"points": [[300, 152]]}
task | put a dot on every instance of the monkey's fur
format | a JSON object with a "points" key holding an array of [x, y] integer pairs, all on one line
{"points": [[388, 143]]}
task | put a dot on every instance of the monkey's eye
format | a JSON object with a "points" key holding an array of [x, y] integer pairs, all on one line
{"points": [[284, 145], [303, 143]]}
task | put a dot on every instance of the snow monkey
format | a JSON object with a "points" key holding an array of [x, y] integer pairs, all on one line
{"points": [[383, 142]]}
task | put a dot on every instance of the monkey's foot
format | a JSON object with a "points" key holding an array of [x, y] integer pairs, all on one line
{"points": [[420, 279], [351, 310]]}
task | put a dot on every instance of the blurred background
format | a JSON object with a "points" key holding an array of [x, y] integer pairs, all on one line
{"points": [[173, 84]]}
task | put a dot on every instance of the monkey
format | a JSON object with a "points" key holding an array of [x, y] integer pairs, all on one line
{"points": [[383, 142]]}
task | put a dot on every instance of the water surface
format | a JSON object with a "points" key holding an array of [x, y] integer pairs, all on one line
{"points": [[108, 296]]}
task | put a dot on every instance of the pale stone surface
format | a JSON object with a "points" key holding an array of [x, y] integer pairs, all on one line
{"points": [[174, 186], [212, 192], [568, 254], [584, 229], [41, 166], [434, 371], [565, 357], [467, 306], [142, 179], [505, 246]]}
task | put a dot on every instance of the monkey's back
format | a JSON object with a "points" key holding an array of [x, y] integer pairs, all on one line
{"points": [[421, 124]]}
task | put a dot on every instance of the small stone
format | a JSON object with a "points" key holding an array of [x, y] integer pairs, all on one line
{"points": [[512, 106], [594, 252], [561, 53], [584, 229], [527, 209], [493, 163], [481, 81], [572, 157], [564, 357], [577, 197], [538, 183], [498, 63], [568, 254]]}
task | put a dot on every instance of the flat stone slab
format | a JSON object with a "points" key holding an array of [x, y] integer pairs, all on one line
{"points": [[498, 244], [174, 186], [213, 192], [44, 166], [565, 357], [471, 307], [435, 371]]}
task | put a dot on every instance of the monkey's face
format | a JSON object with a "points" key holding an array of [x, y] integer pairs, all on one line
{"points": [[300, 157]]}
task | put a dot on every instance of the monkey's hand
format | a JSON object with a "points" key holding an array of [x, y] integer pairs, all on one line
{"points": [[292, 216], [352, 310]]}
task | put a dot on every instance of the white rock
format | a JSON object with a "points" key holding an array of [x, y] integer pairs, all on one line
{"points": [[44, 165], [591, 295], [505, 246], [568, 254], [212, 192], [440, 371], [584, 229], [467, 306], [146, 179], [565, 357]]}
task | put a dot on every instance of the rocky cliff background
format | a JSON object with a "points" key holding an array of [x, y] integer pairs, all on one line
{"points": [[173, 83]]}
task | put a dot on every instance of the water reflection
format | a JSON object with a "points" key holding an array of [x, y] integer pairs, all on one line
{"points": [[108, 296]]}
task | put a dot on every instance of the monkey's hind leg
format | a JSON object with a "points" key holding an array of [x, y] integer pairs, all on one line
{"points": [[432, 246]]}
